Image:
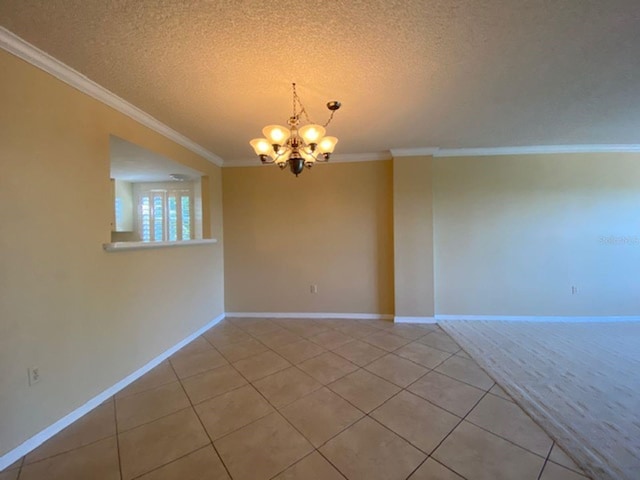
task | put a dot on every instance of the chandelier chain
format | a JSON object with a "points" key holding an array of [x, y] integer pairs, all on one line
{"points": [[296, 99]]}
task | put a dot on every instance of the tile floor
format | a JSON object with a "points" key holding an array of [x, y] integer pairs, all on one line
{"points": [[311, 400]]}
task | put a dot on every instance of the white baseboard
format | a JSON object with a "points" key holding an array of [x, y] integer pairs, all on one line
{"points": [[533, 318], [35, 441], [314, 315], [414, 319]]}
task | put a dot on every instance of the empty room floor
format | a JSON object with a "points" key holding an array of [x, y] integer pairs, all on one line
{"points": [[306, 399]]}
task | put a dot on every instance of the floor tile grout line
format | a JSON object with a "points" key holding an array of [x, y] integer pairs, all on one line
{"points": [[408, 359], [449, 434], [169, 463], [195, 404], [199, 373], [147, 390], [457, 379], [308, 358], [301, 433], [115, 419], [154, 420], [62, 453], [385, 349], [361, 366], [393, 431], [382, 378], [546, 460], [277, 411], [448, 468], [473, 407], [579, 472], [364, 414], [20, 468], [117, 394], [506, 439], [487, 391], [330, 462], [293, 464], [204, 428], [248, 383], [175, 459]]}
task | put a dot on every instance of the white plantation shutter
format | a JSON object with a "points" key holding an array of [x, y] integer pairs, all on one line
{"points": [[165, 214]]}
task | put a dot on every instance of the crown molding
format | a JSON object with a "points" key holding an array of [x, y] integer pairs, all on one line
{"points": [[523, 150], [537, 150], [414, 152], [15, 45]]}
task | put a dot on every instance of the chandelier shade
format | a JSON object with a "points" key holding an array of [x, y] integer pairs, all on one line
{"points": [[276, 134], [297, 146], [312, 134]]}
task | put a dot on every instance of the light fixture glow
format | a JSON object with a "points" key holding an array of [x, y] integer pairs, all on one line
{"points": [[296, 146], [327, 144], [276, 134], [312, 133], [261, 146]]}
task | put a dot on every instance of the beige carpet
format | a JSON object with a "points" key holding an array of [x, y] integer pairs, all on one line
{"points": [[579, 381]]}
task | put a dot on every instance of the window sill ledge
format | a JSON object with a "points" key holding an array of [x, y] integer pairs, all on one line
{"points": [[121, 246]]}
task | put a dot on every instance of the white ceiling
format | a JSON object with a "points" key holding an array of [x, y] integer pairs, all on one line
{"points": [[132, 163], [410, 74]]}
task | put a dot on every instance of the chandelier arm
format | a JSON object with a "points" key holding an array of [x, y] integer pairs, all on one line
{"points": [[317, 156]]}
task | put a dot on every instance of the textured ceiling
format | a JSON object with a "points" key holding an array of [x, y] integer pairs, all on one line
{"points": [[410, 74]]}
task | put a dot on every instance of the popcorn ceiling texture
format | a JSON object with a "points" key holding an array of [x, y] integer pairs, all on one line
{"points": [[410, 74]]}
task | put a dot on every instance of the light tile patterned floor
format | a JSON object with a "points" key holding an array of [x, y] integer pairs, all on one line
{"points": [[262, 399]]}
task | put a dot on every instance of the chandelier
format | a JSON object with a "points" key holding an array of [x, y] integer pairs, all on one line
{"points": [[296, 147]]}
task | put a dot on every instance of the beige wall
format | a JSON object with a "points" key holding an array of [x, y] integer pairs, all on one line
{"points": [[87, 318], [332, 227], [513, 234], [413, 236]]}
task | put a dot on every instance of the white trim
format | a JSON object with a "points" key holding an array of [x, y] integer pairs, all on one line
{"points": [[22, 49], [68, 419], [414, 319], [522, 150], [414, 152], [120, 246], [535, 318], [353, 316], [536, 150]]}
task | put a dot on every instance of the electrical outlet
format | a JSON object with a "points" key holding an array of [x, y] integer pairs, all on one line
{"points": [[313, 288], [34, 375], [574, 290]]}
